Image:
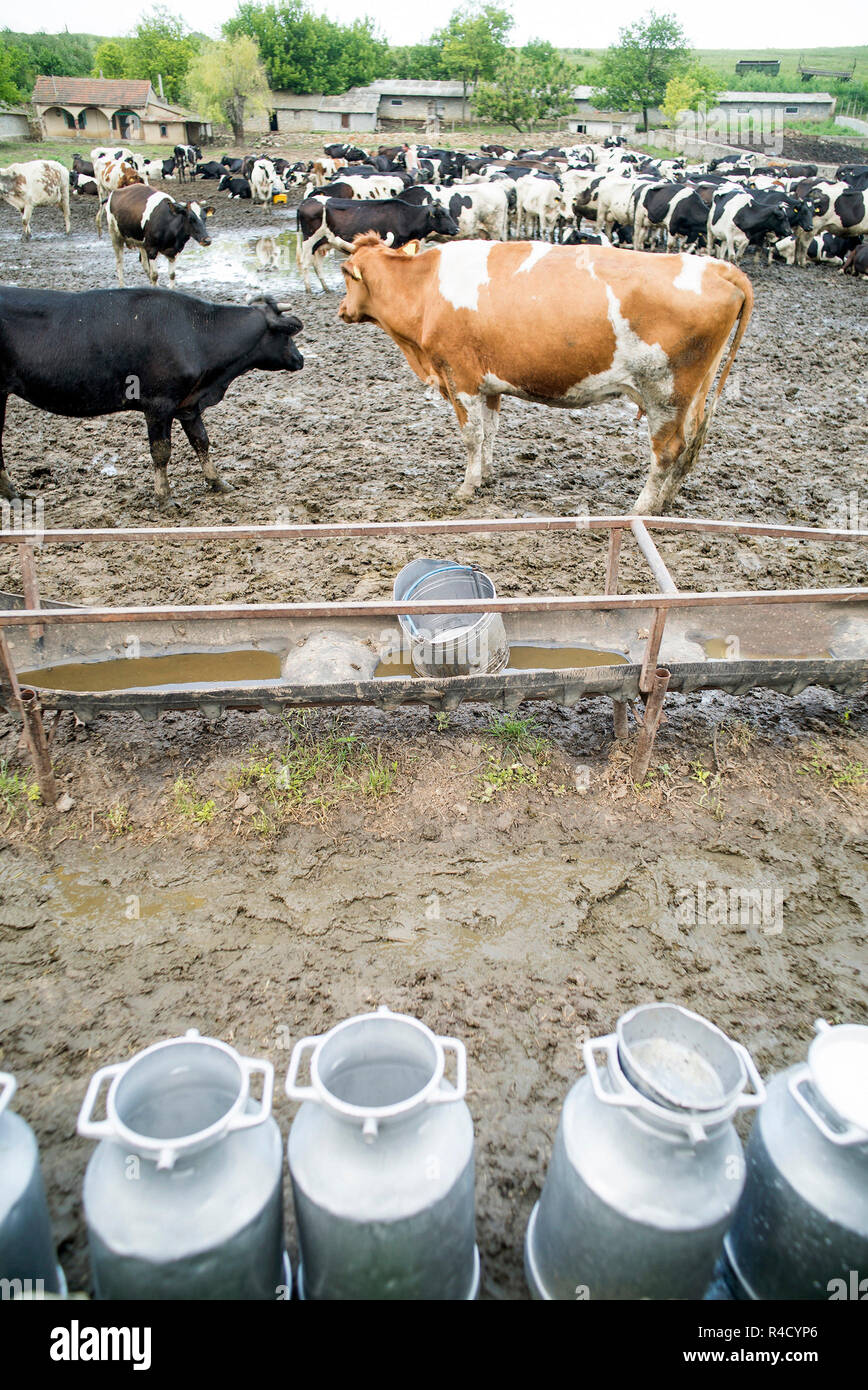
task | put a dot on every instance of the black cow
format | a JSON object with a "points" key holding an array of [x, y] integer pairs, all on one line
{"points": [[418, 196], [349, 153], [847, 172], [856, 263], [169, 166], [325, 222], [185, 158], [82, 166], [167, 355], [210, 170], [236, 187], [153, 224], [233, 165]]}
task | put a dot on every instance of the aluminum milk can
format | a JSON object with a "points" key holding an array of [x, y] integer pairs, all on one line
{"points": [[183, 1195], [381, 1160], [28, 1264], [801, 1228], [647, 1167]]}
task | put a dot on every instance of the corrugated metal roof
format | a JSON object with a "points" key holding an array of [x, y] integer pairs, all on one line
{"points": [[356, 99], [410, 87], [91, 91], [780, 98]]}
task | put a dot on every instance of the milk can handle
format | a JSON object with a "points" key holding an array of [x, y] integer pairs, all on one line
{"points": [[8, 1086], [442, 1096], [757, 1096], [851, 1134], [252, 1065], [90, 1128], [293, 1090], [609, 1045]]}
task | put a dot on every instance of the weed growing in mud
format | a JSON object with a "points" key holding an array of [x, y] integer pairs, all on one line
{"points": [[499, 777], [442, 720], [190, 806], [117, 818], [519, 735], [710, 782], [311, 773], [15, 791], [843, 773]]}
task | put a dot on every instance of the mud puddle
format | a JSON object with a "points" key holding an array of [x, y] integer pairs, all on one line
{"points": [[526, 659], [188, 669], [264, 261]]}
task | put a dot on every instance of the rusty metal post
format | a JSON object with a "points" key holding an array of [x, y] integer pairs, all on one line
{"points": [[30, 710], [650, 725], [37, 742]]}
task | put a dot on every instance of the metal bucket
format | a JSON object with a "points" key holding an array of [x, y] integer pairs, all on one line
{"points": [[381, 1160], [28, 1263], [801, 1228], [183, 1196], [647, 1167], [451, 644]]}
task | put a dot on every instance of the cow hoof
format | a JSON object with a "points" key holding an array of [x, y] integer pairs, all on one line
{"points": [[464, 493], [218, 485], [167, 504]]}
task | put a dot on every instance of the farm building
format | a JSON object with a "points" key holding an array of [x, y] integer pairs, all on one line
{"points": [[102, 108], [14, 123], [390, 102], [795, 105]]}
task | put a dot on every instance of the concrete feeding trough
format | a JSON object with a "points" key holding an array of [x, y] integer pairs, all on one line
{"points": [[559, 647]]}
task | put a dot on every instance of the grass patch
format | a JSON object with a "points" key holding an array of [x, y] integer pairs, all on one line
{"points": [[518, 735], [516, 757], [839, 773], [16, 793], [192, 807], [311, 774], [117, 818], [499, 777]]}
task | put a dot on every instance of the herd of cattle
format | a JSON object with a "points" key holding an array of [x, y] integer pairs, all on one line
{"points": [[603, 194], [570, 317]]}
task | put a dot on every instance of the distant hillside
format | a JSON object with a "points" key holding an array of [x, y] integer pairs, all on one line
{"points": [[723, 61]]}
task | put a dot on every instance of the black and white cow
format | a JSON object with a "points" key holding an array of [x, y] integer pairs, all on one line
{"points": [[76, 355], [839, 208], [350, 154], [334, 222], [185, 159], [154, 224], [235, 186], [677, 209], [739, 220], [831, 249]]}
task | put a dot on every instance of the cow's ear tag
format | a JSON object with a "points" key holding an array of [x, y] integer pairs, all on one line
{"points": [[355, 272], [411, 248]]}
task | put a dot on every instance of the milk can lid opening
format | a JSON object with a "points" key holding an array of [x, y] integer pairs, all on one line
{"points": [[678, 1058], [838, 1059]]}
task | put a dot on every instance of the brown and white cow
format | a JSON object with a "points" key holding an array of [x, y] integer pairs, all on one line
{"points": [[38, 183], [560, 325]]}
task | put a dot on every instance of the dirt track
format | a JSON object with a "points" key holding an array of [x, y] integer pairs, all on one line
{"points": [[522, 923]]}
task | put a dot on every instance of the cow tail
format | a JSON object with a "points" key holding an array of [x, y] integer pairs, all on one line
{"points": [[737, 278]]}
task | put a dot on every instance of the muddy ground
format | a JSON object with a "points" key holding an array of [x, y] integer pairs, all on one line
{"points": [[509, 885]]}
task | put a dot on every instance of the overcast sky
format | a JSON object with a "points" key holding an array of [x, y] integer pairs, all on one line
{"points": [[800, 23]]}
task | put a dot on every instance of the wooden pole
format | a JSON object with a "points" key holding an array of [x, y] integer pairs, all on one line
{"points": [[650, 725]]}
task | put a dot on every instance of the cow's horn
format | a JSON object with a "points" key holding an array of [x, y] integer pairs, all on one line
{"points": [[355, 272], [283, 308]]}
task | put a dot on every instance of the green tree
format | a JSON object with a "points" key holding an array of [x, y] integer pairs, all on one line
{"points": [[633, 73], [473, 43], [420, 61], [64, 55], [696, 86], [111, 58], [159, 47], [305, 52], [228, 81], [531, 84], [14, 86]]}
